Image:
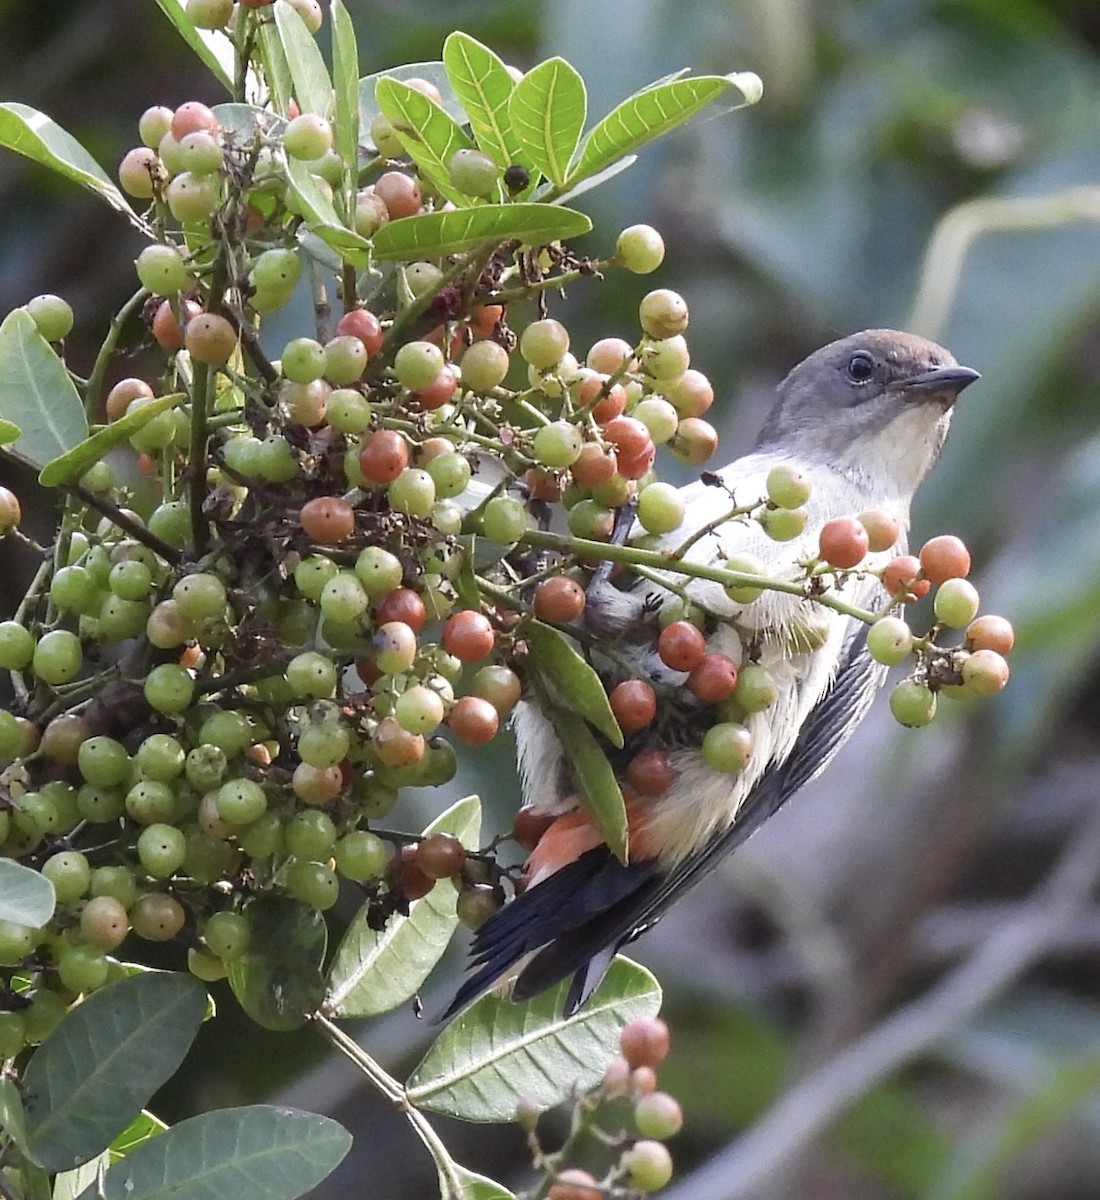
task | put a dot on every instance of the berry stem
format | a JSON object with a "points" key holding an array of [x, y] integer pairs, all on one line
{"points": [[136, 530], [102, 359], [738, 511], [507, 295], [397, 1096]]}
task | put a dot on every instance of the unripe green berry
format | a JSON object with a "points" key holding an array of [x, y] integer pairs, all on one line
{"points": [[913, 704], [889, 641]]}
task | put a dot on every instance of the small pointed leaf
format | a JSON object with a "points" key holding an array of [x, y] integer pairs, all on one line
{"points": [[26, 896], [312, 86], [484, 85], [144, 1126], [36, 392], [547, 111], [79, 459], [322, 218], [432, 235], [573, 678], [254, 1153], [102, 1064], [654, 111], [473, 1185], [31, 133], [374, 971], [277, 69], [498, 1053], [278, 980], [13, 1120], [345, 77]]}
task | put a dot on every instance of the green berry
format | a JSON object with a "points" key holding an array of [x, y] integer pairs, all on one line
{"points": [[227, 934], [912, 703], [52, 316], [640, 249], [161, 849], [889, 641], [169, 688], [57, 657]]}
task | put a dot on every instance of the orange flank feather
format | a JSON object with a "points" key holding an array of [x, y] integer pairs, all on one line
{"points": [[573, 834]]}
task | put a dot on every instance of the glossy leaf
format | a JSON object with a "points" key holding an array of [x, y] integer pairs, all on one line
{"points": [[374, 971], [9, 432], [36, 392], [13, 1120], [26, 896], [67, 1185], [276, 67], [278, 981], [595, 779], [198, 39], [498, 1053], [473, 1185], [484, 85], [31, 133], [430, 136], [345, 73], [433, 72], [70, 466], [547, 111], [654, 111], [144, 1126], [254, 1153], [308, 73], [102, 1064], [432, 235], [572, 678]]}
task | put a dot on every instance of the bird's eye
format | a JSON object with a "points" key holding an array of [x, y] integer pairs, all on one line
{"points": [[861, 367]]}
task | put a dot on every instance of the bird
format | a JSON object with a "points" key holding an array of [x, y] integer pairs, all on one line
{"points": [[864, 419]]}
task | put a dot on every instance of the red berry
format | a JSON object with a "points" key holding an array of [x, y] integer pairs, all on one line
{"points": [[594, 465], [529, 826], [644, 1042], [945, 557], [650, 772], [634, 466], [438, 393], [714, 678], [883, 529], [484, 317], [190, 118], [629, 436], [474, 720], [842, 542], [385, 454], [120, 396], [634, 703], [364, 325], [681, 646], [901, 578], [468, 635], [990, 633], [403, 604], [407, 877], [327, 519], [542, 486], [166, 329], [559, 599], [400, 193], [441, 856], [574, 1184]]}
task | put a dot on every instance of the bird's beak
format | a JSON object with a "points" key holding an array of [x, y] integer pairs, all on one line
{"points": [[945, 380]]}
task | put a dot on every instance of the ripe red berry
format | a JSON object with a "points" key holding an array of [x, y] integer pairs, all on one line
{"points": [[468, 635], [400, 193], [529, 826], [125, 391], [629, 436], [190, 118], [883, 529], [634, 703], [441, 856], [594, 465], [900, 578], [634, 466], [385, 454], [167, 330], [574, 1184], [945, 557], [559, 599], [650, 772], [364, 325], [474, 720], [327, 519], [644, 1042], [406, 876], [843, 542], [990, 633], [714, 678], [681, 646], [405, 605], [484, 317]]}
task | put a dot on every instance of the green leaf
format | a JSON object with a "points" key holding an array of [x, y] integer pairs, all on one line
{"points": [[199, 40], [572, 678], [9, 432], [498, 1053], [312, 86], [345, 74], [80, 458], [547, 111], [432, 235], [654, 111], [474, 1186], [36, 392], [276, 67], [375, 971], [69, 1184], [595, 779], [254, 1153], [433, 72], [31, 133], [322, 218], [484, 85], [144, 1126], [430, 135], [13, 1120], [101, 1065], [278, 981], [26, 896]]}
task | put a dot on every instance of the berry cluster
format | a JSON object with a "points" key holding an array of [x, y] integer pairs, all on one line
{"points": [[624, 1114]]}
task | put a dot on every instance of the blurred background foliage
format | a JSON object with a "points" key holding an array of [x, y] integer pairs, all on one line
{"points": [[894, 990]]}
